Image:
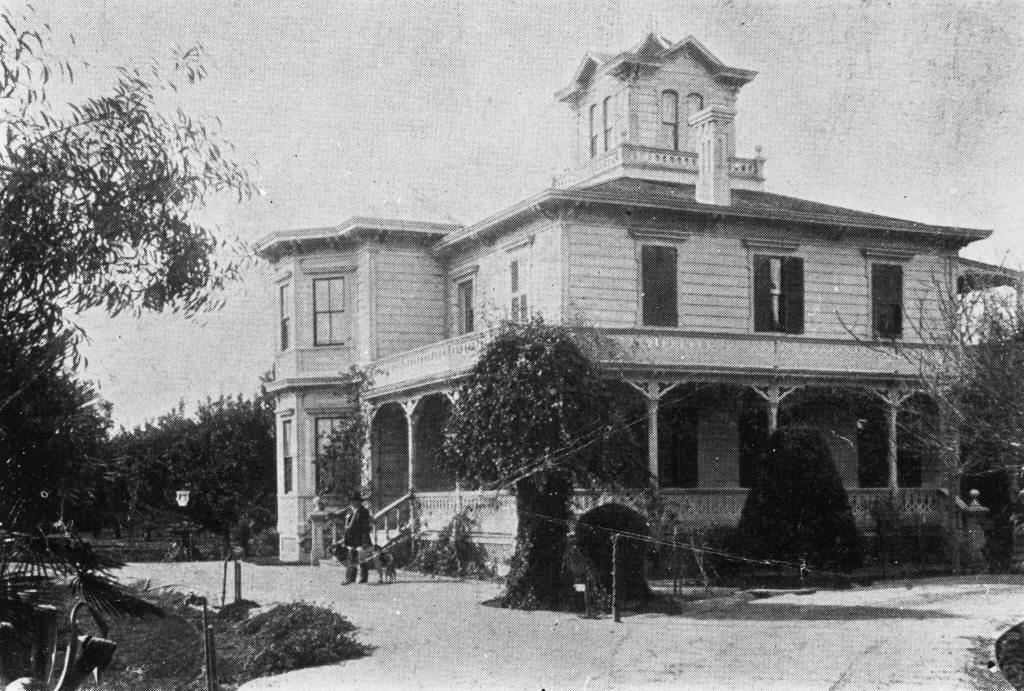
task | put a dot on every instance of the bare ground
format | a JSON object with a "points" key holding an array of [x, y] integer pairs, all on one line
{"points": [[434, 633]]}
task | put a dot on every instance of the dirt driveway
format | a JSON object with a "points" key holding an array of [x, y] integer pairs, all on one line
{"points": [[433, 634]]}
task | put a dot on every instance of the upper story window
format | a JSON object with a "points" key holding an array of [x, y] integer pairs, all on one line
{"points": [[607, 121], [329, 324], [284, 309], [779, 294], [670, 119], [287, 454], [593, 130], [659, 289], [887, 300], [464, 318], [518, 309]]}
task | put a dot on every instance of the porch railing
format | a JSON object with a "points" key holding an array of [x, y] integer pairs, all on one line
{"points": [[494, 513]]}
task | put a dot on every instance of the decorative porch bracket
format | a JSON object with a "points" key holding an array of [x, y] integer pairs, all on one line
{"points": [[652, 393], [774, 395], [893, 399], [411, 415]]}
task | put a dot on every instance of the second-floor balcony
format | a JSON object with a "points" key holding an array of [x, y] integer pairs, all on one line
{"points": [[679, 354]]}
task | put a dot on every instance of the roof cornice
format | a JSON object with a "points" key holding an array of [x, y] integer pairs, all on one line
{"points": [[536, 205], [351, 230]]}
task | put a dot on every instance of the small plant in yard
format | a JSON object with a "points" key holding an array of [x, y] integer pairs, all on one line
{"points": [[454, 553]]}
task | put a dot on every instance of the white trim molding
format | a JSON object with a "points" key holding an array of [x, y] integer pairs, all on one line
{"points": [[761, 244], [887, 254]]}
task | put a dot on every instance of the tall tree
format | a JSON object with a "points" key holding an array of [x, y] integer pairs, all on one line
{"points": [[534, 417], [224, 456], [98, 201], [97, 205]]}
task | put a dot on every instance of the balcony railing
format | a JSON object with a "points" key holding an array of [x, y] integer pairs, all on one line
{"points": [[635, 156], [684, 161], [757, 353], [682, 352], [437, 360], [749, 168]]}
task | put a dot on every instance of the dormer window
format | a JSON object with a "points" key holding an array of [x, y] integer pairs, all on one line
{"points": [[606, 119], [670, 119], [593, 130]]}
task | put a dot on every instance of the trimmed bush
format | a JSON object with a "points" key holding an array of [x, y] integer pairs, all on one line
{"points": [[594, 532], [797, 508]]}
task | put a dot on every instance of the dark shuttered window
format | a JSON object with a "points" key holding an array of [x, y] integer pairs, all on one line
{"points": [[779, 294], [658, 271], [887, 300]]}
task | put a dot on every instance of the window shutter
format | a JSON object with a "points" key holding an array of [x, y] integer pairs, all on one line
{"points": [[793, 294], [659, 276], [762, 294]]}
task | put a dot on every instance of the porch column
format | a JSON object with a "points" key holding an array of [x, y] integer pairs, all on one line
{"points": [[773, 395], [652, 393], [409, 407], [893, 399]]}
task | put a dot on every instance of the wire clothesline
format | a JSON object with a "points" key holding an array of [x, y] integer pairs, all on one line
{"points": [[639, 537]]}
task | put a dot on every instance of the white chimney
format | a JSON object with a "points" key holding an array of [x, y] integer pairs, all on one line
{"points": [[713, 127]]}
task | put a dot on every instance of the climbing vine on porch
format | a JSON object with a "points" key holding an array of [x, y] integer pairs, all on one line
{"points": [[339, 464]]}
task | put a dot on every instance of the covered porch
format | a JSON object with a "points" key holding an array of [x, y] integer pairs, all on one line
{"points": [[695, 442]]}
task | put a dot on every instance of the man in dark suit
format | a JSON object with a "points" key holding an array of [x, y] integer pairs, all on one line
{"points": [[357, 535]]}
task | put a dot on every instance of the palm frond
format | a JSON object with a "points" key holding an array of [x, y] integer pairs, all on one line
{"points": [[107, 596]]}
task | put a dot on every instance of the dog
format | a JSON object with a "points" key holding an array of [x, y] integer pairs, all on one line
{"points": [[385, 563]]}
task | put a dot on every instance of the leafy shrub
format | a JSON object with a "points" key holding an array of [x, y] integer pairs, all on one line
{"points": [[293, 636], [797, 508], [454, 553], [156, 652], [265, 544], [167, 652], [594, 532]]}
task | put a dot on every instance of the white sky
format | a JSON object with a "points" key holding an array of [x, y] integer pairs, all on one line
{"points": [[914, 109]]}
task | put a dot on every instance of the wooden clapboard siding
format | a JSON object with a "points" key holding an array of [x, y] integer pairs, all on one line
{"points": [[364, 306], [538, 247], [715, 292], [409, 299]]}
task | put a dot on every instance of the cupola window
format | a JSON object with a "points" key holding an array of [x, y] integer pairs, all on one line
{"points": [[606, 119], [593, 130], [670, 119]]}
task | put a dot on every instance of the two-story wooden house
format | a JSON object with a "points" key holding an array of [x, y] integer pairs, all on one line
{"points": [[721, 299]]}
